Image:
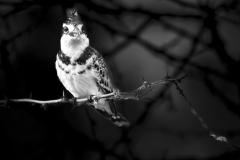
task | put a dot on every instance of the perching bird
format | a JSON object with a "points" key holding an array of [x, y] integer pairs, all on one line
{"points": [[82, 70]]}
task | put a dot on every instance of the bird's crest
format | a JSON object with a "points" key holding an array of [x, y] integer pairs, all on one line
{"points": [[72, 16]]}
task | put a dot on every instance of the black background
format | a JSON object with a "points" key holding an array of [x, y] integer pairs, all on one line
{"points": [[137, 39]]}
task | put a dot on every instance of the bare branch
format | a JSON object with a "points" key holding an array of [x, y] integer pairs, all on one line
{"points": [[216, 136], [114, 95]]}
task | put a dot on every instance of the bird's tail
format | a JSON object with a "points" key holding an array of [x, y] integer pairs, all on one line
{"points": [[111, 114], [117, 118]]}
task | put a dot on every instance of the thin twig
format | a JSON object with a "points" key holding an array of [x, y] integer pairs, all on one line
{"points": [[114, 95], [216, 136]]}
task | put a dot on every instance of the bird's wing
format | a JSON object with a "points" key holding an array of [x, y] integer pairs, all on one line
{"points": [[102, 78], [104, 84]]}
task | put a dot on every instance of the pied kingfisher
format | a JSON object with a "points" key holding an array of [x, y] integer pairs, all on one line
{"points": [[82, 70]]}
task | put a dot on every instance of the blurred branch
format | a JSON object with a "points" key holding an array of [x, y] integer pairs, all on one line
{"points": [[231, 106], [185, 4], [204, 14], [7, 68]]}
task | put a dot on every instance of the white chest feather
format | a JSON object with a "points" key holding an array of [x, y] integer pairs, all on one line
{"points": [[79, 81], [73, 47]]}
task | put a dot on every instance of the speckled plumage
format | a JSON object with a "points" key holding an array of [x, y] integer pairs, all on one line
{"points": [[82, 70]]}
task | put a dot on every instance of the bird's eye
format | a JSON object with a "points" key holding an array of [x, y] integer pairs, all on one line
{"points": [[83, 29], [65, 29]]}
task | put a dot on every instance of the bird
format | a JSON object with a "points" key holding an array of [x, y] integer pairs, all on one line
{"points": [[82, 69]]}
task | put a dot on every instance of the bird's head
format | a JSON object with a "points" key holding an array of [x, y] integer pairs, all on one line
{"points": [[73, 38]]}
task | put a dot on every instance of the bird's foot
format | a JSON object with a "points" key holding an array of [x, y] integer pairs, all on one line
{"points": [[74, 102], [93, 99]]}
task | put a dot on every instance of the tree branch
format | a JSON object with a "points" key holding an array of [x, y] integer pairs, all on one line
{"points": [[114, 95]]}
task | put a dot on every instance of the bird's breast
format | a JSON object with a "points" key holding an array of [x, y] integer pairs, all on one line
{"points": [[79, 80]]}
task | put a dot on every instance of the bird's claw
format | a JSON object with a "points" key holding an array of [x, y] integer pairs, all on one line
{"points": [[74, 101], [93, 99]]}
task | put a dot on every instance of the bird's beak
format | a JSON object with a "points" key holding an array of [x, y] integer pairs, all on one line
{"points": [[74, 34]]}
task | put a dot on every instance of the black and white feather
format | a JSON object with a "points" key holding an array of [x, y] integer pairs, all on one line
{"points": [[82, 70]]}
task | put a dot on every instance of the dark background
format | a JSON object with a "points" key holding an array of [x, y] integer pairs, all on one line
{"points": [[137, 39]]}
